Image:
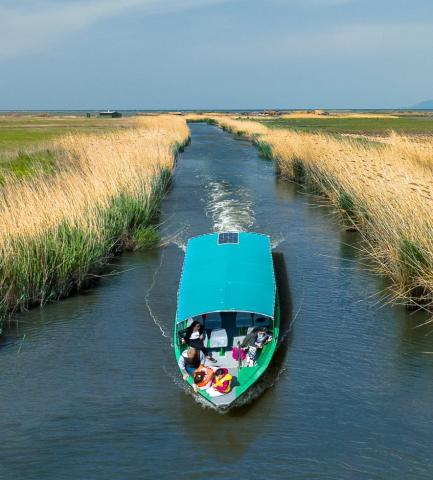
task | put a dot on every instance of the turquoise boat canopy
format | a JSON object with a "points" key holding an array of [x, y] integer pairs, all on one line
{"points": [[227, 272]]}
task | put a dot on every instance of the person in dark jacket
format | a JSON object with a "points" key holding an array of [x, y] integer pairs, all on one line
{"points": [[254, 342], [193, 336]]}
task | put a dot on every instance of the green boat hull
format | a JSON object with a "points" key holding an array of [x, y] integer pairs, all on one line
{"points": [[228, 285], [244, 377]]}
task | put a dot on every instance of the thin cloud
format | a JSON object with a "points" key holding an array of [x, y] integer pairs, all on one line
{"points": [[337, 43], [28, 27], [314, 3]]}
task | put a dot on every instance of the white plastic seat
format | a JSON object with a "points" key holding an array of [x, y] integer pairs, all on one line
{"points": [[218, 338], [244, 319], [213, 320]]}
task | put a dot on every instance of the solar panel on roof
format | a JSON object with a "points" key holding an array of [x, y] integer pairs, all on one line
{"points": [[228, 237]]}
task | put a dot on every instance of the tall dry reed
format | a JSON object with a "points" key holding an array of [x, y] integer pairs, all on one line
{"points": [[58, 231], [383, 191]]}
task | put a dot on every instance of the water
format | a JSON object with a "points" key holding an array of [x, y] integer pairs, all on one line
{"points": [[90, 389]]}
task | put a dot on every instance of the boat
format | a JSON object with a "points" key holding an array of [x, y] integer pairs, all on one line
{"points": [[110, 113], [228, 285]]}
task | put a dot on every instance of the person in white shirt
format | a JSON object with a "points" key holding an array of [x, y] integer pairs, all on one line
{"points": [[193, 336]]}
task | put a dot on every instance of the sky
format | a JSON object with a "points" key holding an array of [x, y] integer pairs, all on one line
{"points": [[215, 54]]}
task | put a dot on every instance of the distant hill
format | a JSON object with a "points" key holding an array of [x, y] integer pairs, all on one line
{"points": [[426, 104]]}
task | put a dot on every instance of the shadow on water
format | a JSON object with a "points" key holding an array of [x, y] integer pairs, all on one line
{"points": [[249, 400], [284, 189], [350, 245]]}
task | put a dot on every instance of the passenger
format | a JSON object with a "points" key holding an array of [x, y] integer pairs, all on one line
{"points": [[189, 361], [194, 337], [254, 342], [203, 377], [221, 383]]}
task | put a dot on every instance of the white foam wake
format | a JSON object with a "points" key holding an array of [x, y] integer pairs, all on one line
{"points": [[231, 208]]}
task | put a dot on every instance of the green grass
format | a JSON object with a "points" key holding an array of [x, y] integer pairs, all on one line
{"points": [[145, 237], [25, 140], [27, 132], [370, 126], [26, 164], [264, 149]]}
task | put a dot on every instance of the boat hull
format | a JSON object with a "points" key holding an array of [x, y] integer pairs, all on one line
{"points": [[244, 378]]}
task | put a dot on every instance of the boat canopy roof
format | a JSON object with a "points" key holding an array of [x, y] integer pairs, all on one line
{"points": [[227, 272]]}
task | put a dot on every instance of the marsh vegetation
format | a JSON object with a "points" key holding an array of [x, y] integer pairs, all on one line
{"points": [[383, 190], [100, 197]]}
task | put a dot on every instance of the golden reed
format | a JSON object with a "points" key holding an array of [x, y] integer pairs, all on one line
{"points": [[385, 191], [59, 230]]}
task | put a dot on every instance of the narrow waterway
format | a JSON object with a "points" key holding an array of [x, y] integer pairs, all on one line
{"points": [[90, 389]]}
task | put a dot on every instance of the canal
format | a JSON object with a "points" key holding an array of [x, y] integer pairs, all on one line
{"points": [[90, 389]]}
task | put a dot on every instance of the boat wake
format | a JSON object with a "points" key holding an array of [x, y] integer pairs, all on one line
{"points": [[178, 238], [147, 298], [277, 240], [230, 207]]}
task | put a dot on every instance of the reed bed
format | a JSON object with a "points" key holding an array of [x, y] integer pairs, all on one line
{"points": [[59, 231], [383, 191]]}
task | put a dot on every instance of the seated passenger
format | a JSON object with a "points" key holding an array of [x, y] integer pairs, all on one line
{"points": [[221, 383], [189, 361], [194, 337], [254, 342], [203, 377]]}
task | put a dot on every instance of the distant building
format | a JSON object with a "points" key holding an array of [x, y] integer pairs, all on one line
{"points": [[271, 113], [320, 112], [110, 113]]}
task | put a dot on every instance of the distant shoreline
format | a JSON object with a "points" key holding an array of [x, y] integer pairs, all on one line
{"points": [[238, 110]]}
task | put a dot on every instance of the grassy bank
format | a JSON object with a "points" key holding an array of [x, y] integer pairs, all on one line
{"points": [[19, 132], [419, 125], [385, 192], [59, 231], [28, 142]]}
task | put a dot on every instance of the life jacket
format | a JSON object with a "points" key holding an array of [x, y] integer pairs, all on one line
{"points": [[219, 383], [207, 378]]}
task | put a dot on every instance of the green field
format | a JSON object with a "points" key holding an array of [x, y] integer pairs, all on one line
{"points": [[21, 132], [411, 125], [25, 139]]}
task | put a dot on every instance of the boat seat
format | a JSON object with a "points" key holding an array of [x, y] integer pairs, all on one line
{"points": [[261, 322], [218, 338], [213, 321], [240, 339], [244, 319]]}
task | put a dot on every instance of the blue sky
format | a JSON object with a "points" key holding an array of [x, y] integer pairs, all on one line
{"points": [[182, 54]]}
